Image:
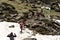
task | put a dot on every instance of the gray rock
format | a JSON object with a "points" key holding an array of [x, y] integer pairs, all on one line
{"points": [[30, 39]]}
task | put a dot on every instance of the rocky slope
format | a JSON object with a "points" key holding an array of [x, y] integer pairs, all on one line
{"points": [[32, 15]]}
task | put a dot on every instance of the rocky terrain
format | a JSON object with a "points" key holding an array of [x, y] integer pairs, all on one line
{"points": [[35, 16]]}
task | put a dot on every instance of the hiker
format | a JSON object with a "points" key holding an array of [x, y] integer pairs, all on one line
{"points": [[11, 36], [21, 25]]}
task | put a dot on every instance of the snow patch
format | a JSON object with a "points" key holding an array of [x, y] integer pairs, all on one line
{"points": [[5, 30]]}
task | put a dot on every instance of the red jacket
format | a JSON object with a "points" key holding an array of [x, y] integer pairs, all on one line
{"points": [[21, 24]]}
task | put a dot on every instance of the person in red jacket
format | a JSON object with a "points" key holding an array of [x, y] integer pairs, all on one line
{"points": [[21, 26]]}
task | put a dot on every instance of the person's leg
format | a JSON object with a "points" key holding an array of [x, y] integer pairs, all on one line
{"points": [[21, 29]]}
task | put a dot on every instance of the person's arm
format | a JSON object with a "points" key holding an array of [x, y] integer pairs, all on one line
{"points": [[15, 35], [8, 35]]}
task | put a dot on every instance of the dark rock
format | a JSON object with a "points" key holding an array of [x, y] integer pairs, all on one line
{"points": [[55, 6], [11, 0], [30, 39], [12, 26], [8, 5]]}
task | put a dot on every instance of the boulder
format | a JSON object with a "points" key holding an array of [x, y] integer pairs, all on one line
{"points": [[12, 26], [30, 39]]}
